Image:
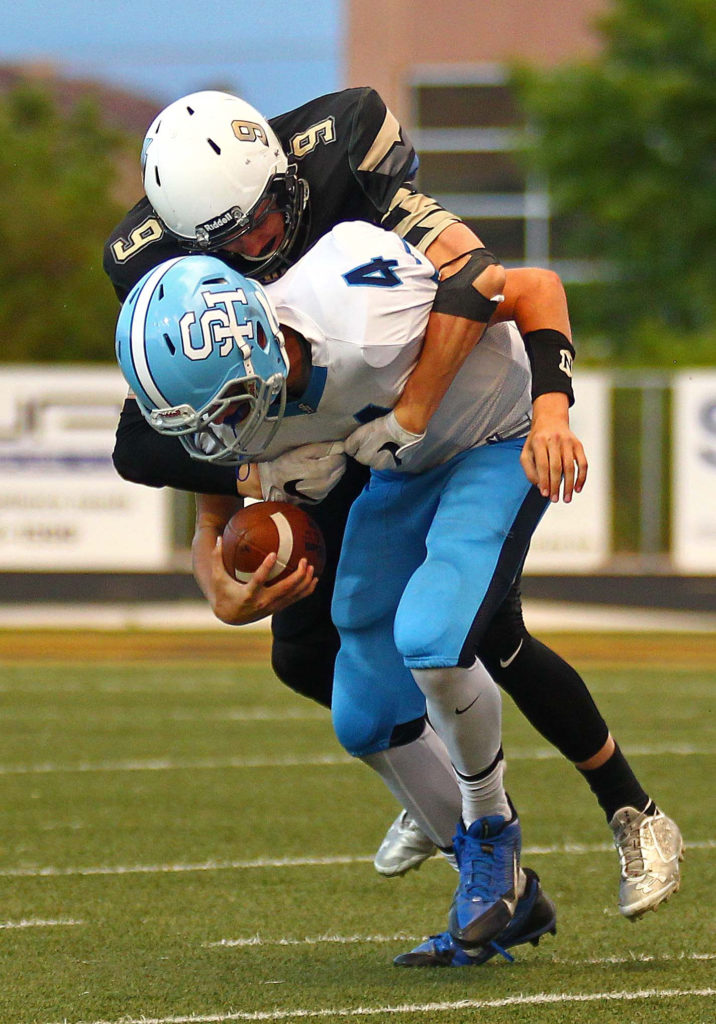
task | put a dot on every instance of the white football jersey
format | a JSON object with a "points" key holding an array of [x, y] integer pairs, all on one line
{"points": [[361, 297]]}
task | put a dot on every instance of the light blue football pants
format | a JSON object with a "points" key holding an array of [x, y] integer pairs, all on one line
{"points": [[426, 560]]}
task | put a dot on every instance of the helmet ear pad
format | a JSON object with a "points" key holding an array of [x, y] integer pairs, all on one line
{"points": [[201, 348], [225, 144]]}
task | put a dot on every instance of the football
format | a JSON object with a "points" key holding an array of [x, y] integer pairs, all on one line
{"points": [[265, 526]]}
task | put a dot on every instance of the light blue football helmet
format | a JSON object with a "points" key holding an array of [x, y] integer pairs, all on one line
{"points": [[201, 348]]}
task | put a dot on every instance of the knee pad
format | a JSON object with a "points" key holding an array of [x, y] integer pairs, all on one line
{"points": [[362, 729], [423, 624]]}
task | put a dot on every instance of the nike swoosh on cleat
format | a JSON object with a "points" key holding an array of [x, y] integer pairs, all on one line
{"points": [[461, 711], [508, 661]]}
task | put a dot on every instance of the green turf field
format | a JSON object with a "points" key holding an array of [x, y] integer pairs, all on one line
{"points": [[183, 841]]}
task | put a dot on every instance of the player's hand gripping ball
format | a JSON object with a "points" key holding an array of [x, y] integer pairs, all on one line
{"points": [[258, 529]]}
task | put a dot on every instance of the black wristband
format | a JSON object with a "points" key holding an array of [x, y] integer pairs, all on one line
{"points": [[456, 295], [550, 354]]}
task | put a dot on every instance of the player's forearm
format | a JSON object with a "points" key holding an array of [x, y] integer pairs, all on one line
{"points": [[535, 299], [202, 545], [448, 342], [212, 514], [553, 406]]}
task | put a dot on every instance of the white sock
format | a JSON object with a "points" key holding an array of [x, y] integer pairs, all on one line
{"points": [[421, 778], [484, 794], [465, 709]]}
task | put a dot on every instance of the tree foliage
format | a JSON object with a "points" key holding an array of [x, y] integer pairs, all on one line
{"points": [[628, 144], [56, 209]]}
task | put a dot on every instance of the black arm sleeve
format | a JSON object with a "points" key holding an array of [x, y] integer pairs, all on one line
{"points": [[143, 456]]}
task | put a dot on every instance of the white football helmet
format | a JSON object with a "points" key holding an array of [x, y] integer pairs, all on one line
{"points": [[209, 162]]}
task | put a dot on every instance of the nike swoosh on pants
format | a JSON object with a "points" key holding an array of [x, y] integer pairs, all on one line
{"points": [[508, 661]]}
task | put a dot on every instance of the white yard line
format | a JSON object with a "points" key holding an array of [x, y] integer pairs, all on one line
{"points": [[60, 923], [538, 999], [253, 941], [122, 715], [161, 869], [341, 940], [168, 764], [567, 849]]}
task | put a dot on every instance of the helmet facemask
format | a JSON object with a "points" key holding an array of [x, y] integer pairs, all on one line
{"points": [[237, 425], [286, 194]]}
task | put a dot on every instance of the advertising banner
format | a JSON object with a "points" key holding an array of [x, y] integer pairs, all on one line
{"points": [[575, 538], [63, 506], [694, 472]]}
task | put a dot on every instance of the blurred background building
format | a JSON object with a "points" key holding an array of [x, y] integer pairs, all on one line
{"points": [[444, 71]]}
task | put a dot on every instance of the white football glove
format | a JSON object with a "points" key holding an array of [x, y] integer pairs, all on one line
{"points": [[382, 443], [305, 474]]}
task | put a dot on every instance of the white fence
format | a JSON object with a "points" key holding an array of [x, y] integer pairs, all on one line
{"points": [[62, 505]]}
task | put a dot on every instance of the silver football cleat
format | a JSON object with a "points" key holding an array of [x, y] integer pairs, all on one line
{"points": [[405, 846], [650, 848]]}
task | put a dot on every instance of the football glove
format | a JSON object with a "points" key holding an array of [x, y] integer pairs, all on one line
{"points": [[382, 443], [304, 474]]}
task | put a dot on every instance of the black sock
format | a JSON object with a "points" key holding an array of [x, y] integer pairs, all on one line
{"points": [[615, 785]]}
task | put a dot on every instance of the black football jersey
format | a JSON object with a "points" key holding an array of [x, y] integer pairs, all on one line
{"points": [[347, 146]]}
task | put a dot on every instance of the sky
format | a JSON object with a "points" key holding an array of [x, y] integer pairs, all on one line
{"points": [[274, 53]]}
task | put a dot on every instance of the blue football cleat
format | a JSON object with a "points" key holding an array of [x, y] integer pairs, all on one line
{"points": [[488, 857], [437, 951], [534, 917]]}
